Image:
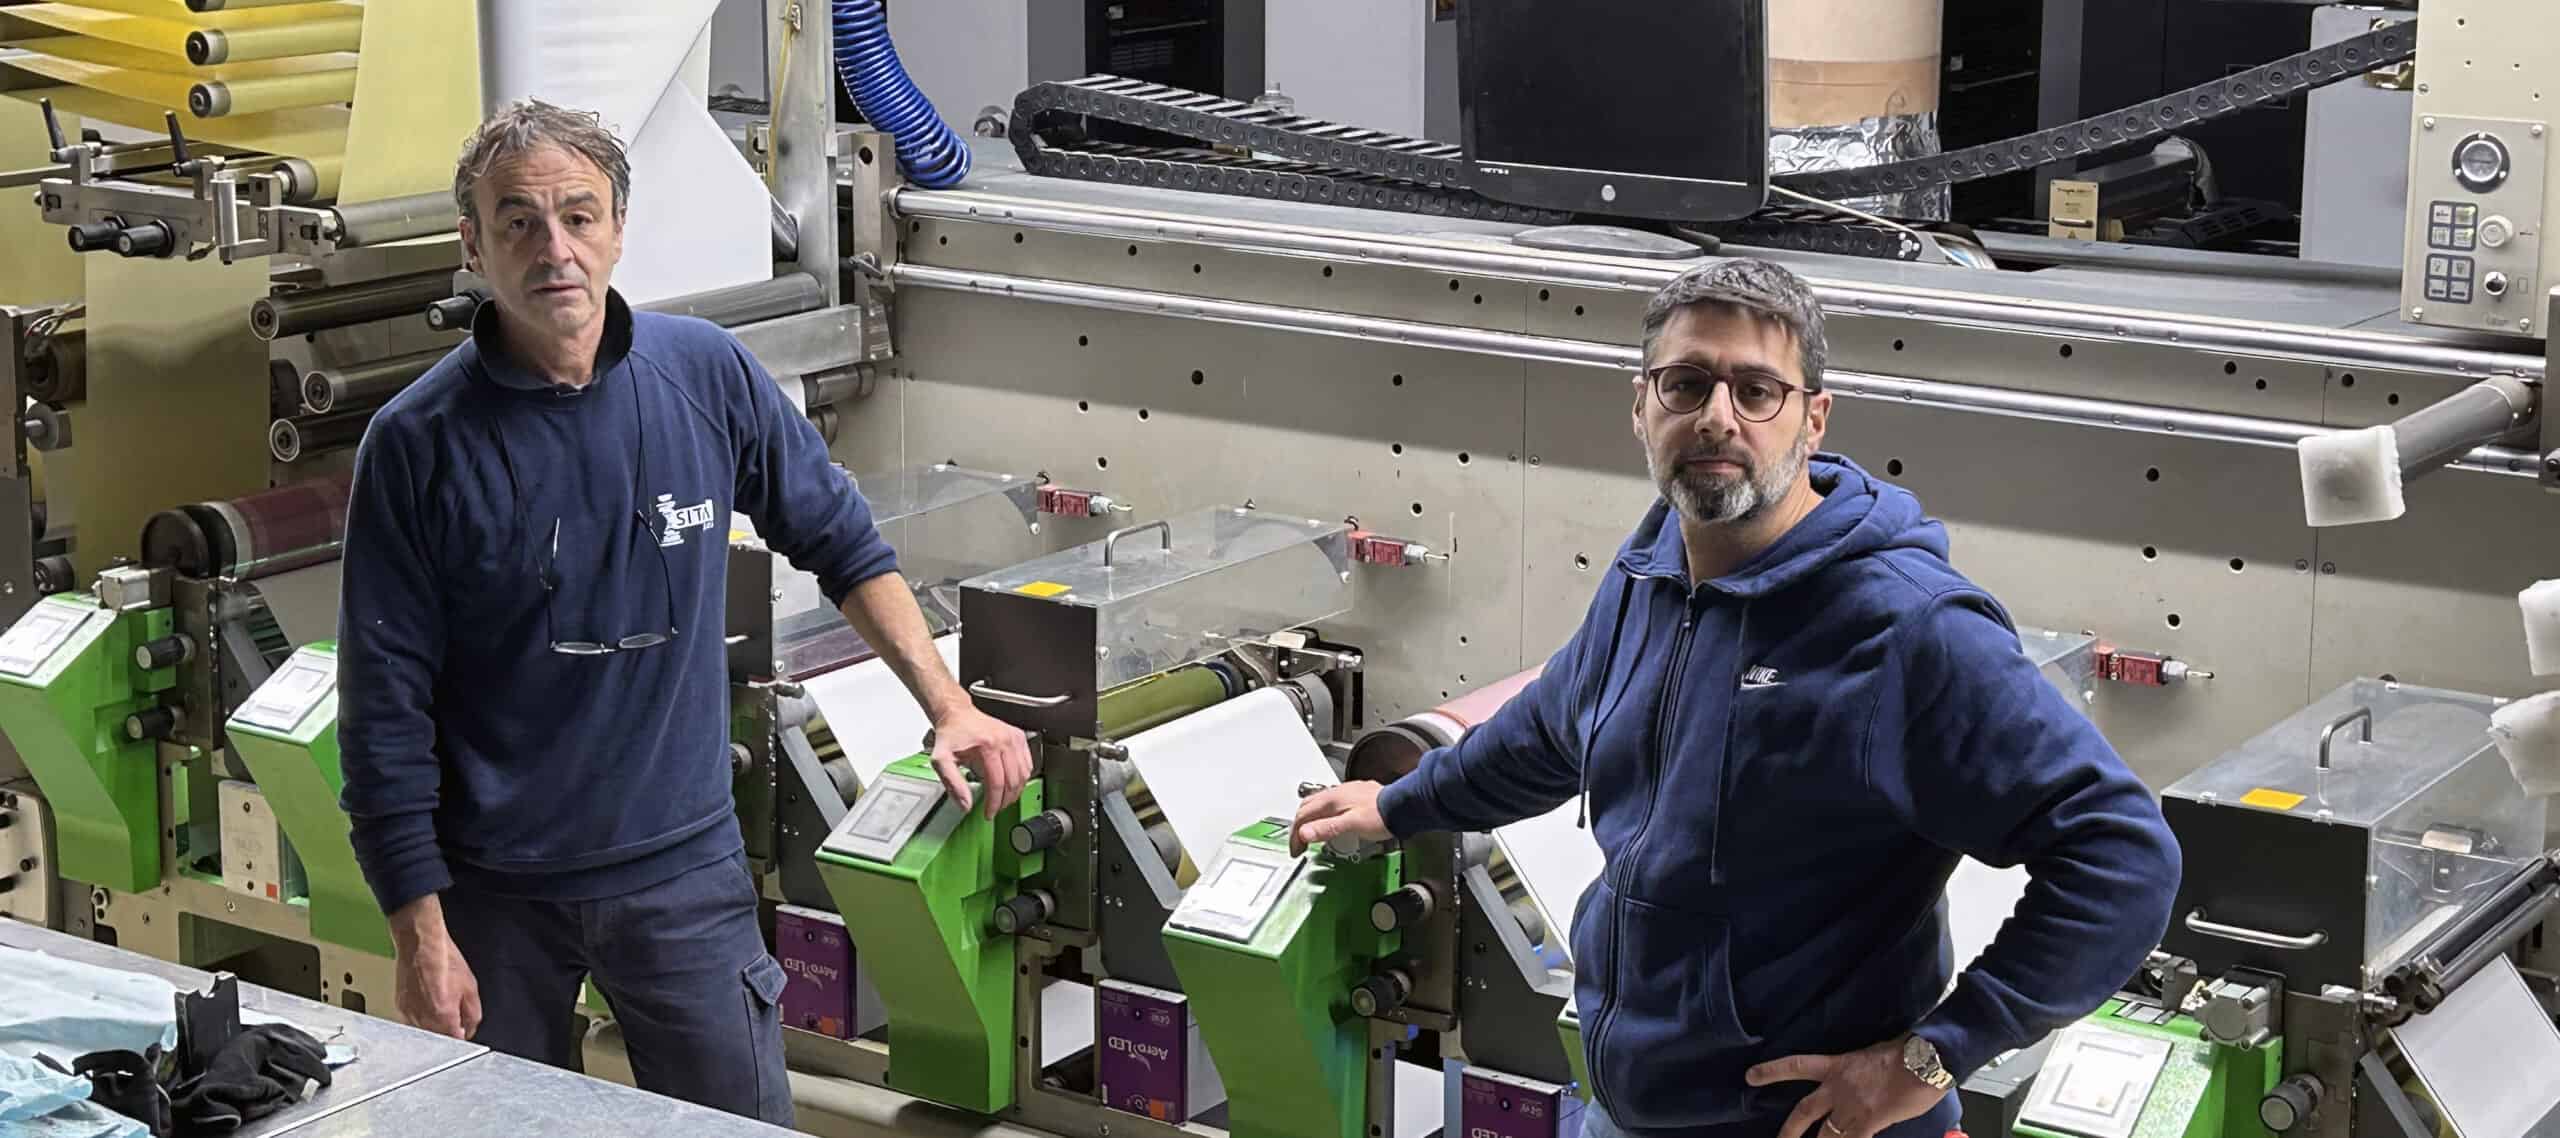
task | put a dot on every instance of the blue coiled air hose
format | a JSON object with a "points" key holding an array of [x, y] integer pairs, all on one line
{"points": [[930, 153]]}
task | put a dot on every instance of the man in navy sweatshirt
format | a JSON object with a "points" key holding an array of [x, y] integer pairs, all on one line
{"points": [[534, 700], [1788, 716]]}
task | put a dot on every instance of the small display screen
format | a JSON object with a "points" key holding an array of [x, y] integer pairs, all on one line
{"points": [[290, 694], [887, 806], [34, 638], [1670, 89], [1237, 883]]}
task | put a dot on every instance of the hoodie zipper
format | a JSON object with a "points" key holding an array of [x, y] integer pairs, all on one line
{"points": [[1664, 714]]}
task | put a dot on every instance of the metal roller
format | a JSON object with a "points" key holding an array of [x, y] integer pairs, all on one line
{"points": [[293, 440], [786, 295], [2475, 416], [257, 535], [207, 47], [364, 386], [320, 309], [393, 219], [839, 387], [215, 98]]}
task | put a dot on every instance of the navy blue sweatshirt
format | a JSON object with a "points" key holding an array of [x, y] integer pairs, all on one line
{"points": [[1782, 766], [473, 752]]}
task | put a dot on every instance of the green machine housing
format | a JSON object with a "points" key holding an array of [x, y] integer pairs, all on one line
{"points": [[69, 680], [1271, 949], [2135, 1069], [287, 733], [937, 890]]}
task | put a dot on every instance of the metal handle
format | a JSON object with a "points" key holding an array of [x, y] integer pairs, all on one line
{"points": [[53, 128], [2331, 731], [1114, 539], [980, 689], [2197, 924]]}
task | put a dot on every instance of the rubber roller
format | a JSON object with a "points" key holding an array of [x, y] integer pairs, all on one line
{"points": [[255, 536], [1391, 752]]}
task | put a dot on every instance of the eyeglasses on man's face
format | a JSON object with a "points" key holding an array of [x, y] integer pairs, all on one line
{"points": [[1682, 389]]}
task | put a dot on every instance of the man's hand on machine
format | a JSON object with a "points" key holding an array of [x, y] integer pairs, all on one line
{"points": [[1854, 1096], [1351, 808], [435, 989], [997, 750]]}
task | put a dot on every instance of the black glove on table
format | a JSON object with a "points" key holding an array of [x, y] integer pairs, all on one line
{"points": [[261, 1070]]}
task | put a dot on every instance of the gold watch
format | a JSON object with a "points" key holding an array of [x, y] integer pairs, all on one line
{"points": [[1920, 1057]]}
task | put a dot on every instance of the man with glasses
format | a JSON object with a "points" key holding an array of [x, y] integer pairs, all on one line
{"points": [[1788, 716], [534, 701]]}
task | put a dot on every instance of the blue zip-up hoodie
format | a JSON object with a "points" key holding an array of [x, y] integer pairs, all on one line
{"points": [[471, 750], [1781, 767]]}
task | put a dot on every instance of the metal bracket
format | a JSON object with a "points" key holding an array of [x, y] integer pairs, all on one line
{"points": [[207, 1023], [2550, 444]]}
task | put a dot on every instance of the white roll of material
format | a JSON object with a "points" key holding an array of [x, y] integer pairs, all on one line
{"points": [[875, 720], [700, 217], [2351, 477], [2541, 604], [1219, 769], [2528, 734]]}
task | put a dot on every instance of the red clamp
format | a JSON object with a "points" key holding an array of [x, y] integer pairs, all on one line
{"points": [[1374, 549], [1062, 502], [2144, 669]]}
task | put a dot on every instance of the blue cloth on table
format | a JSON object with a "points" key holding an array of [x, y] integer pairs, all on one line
{"points": [[37, 1101], [67, 1009]]}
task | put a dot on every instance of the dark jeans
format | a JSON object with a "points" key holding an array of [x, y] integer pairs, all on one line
{"points": [[682, 963]]}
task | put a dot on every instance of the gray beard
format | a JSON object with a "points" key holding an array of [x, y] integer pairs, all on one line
{"points": [[1707, 500]]}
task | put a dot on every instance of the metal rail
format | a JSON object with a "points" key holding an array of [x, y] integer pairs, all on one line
{"points": [[2074, 410], [2340, 348]]}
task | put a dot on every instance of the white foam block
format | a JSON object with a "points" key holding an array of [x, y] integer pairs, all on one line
{"points": [[2351, 477], [1066, 1021], [1215, 771], [1557, 860], [2541, 604], [874, 719], [1422, 1101], [2528, 734]]}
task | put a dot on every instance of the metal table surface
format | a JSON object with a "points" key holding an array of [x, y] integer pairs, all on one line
{"points": [[407, 1081], [501, 1096], [388, 1055]]}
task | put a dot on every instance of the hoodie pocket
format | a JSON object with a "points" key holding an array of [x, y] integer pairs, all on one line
{"points": [[1674, 1049]]}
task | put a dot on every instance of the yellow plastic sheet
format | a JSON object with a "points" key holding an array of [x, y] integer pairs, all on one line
{"points": [[107, 53], [416, 101], [247, 95], [177, 407], [312, 133], [166, 28]]}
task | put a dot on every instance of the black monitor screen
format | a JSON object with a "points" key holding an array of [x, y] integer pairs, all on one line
{"points": [[1671, 96]]}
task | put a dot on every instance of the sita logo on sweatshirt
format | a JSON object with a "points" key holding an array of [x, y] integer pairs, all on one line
{"points": [[681, 518]]}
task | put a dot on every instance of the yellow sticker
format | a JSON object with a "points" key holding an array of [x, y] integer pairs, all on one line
{"points": [[1042, 589], [2272, 799]]}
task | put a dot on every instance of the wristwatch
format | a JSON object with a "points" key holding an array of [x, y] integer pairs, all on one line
{"points": [[1920, 1057]]}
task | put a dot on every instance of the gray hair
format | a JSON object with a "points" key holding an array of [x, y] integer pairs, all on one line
{"points": [[1760, 288], [526, 125]]}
